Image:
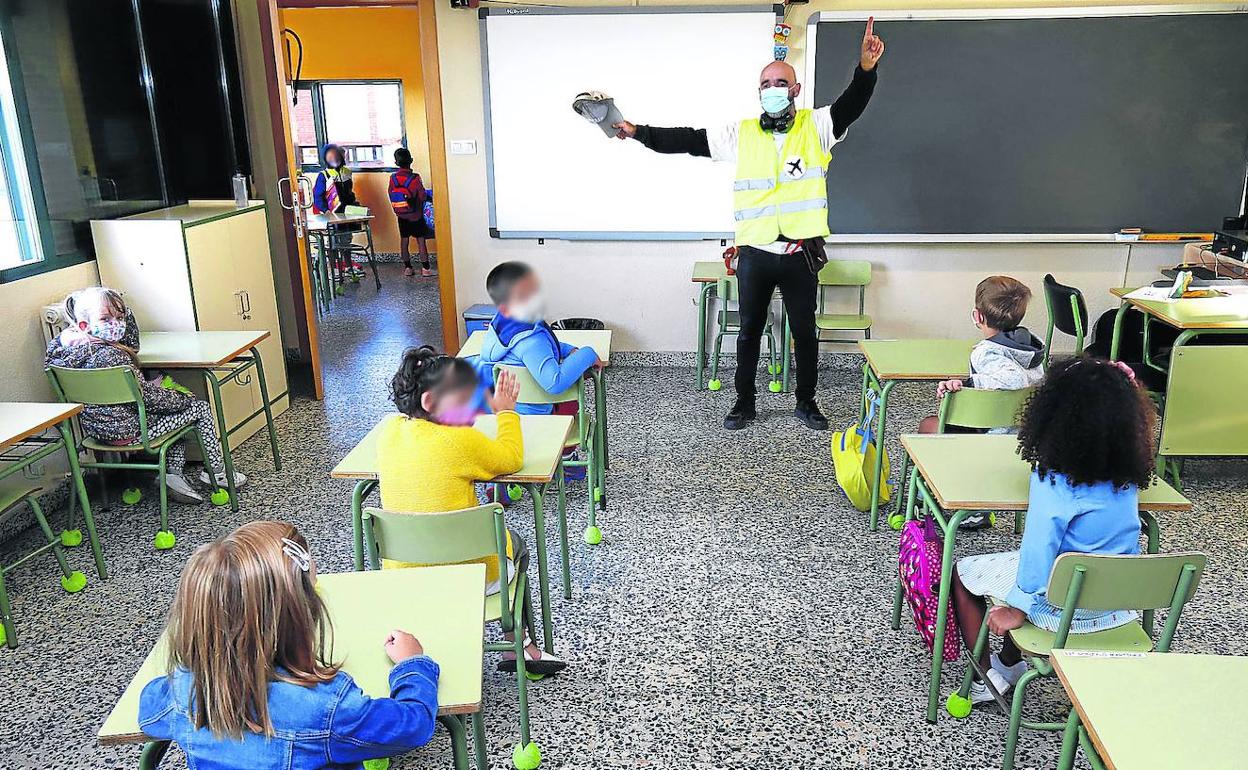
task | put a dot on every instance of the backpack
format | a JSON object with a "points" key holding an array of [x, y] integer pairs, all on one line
{"points": [[402, 199], [918, 563], [853, 457]]}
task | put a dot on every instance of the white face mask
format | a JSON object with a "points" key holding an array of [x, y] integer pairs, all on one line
{"points": [[531, 310]]}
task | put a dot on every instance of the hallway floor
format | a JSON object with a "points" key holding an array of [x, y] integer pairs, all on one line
{"points": [[736, 614]]}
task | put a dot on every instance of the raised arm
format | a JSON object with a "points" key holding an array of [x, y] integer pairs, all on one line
{"points": [[669, 141], [850, 105]]}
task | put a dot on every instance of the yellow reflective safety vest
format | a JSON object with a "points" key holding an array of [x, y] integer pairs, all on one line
{"points": [[780, 193]]}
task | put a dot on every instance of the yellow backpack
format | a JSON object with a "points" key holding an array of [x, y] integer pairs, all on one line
{"points": [[853, 456]]}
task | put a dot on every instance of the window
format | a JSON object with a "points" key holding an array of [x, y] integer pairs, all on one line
{"points": [[364, 118], [19, 233]]}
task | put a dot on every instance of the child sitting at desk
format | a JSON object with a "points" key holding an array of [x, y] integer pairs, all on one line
{"points": [[249, 682], [429, 456], [104, 334], [1088, 434]]}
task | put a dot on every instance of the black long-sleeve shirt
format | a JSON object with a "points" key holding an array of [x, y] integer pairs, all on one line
{"points": [[847, 108]]}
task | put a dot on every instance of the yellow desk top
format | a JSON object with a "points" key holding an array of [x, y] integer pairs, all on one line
{"points": [[599, 340], [323, 221], [709, 272], [443, 607], [194, 350], [1229, 312], [918, 359], [1155, 711], [21, 420], [544, 439], [984, 473]]}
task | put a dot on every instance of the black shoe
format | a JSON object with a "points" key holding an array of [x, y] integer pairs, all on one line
{"points": [[742, 414], [808, 412]]}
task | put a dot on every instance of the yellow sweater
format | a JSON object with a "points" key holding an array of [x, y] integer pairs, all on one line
{"points": [[424, 467]]}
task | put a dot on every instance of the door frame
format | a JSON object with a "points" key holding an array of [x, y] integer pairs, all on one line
{"points": [[287, 165]]}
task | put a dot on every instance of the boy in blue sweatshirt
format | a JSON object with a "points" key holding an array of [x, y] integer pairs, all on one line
{"points": [[518, 336]]}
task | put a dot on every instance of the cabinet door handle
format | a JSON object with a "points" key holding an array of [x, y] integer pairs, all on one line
{"points": [[282, 201]]}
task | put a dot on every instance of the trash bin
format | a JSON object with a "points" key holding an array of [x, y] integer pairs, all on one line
{"points": [[477, 318], [579, 324]]}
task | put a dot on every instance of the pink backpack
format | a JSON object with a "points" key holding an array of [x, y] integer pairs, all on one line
{"points": [[918, 561]]}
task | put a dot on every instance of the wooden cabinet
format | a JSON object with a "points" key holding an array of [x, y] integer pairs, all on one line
{"points": [[201, 266]]}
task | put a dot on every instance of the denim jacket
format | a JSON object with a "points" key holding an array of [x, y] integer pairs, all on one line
{"points": [[330, 725]]}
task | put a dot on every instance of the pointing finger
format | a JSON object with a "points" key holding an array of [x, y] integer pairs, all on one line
{"points": [[870, 28]]}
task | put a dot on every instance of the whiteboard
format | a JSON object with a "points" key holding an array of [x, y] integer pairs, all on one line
{"points": [[555, 175]]}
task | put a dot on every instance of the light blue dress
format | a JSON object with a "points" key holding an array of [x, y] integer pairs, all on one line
{"points": [[1061, 518]]}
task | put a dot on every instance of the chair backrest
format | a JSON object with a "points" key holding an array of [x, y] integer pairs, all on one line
{"points": [[982, 408], [1121, 582], [113, 385], [1067, 310], [533, 393], [436, 538], [845, 272], [726, 289]]}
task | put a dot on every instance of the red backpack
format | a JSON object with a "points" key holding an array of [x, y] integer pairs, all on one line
{"points": [[403, 199]]}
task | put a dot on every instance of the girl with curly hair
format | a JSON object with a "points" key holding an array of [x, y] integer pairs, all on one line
{"points": [[1088, 433]]}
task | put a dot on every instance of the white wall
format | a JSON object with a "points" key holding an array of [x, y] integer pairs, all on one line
{"points": [[642, 290], [21, 332]]}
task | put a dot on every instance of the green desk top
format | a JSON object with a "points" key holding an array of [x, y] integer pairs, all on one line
{"points": [[443, 607], [323, 221], [1229, 312], [599, 340], [985, 473], [709, 272], [1154, 711], [918, 359], [544, 439], [21, 420], [194, 350]]}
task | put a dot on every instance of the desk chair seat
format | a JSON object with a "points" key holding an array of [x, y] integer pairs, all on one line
{"points": [[843, 322], [95, 445], [1033, 640], [11, 499]]}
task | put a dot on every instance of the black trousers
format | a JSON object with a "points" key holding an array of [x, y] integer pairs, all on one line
{"points": [[759, 273]]}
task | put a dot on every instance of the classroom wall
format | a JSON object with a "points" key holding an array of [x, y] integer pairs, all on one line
{"points": [[642, 290], [362, 43], [21, 329]]}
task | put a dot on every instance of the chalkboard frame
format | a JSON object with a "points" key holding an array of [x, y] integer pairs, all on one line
{"points": [[989, 14]]}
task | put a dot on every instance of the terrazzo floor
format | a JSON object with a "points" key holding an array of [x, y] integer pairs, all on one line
{"points": [[736, 614]]}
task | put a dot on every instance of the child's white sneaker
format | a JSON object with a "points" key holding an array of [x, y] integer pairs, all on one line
{"points": [[980, 692], [240, 479], [1010, 674], [181, 491]]}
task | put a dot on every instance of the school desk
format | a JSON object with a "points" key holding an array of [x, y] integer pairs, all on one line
{"points": [[1198, 375], [21, 423], [707, 276], [440, 606], [1156, 711], [893, 361], [320, 229], [544, 437], [955, 475], [600, 341], [234, 352]]}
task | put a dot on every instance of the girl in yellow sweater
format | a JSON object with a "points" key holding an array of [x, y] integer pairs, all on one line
{"points": [[429, 458]]}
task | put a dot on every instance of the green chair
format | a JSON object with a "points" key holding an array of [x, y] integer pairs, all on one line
{"points": [[72, 581], [1068, 313], [582, 440], [118, 385], [729, 322], [979, 409], [1090, 582], [1192, 425], [844, 272], [454, 537]]}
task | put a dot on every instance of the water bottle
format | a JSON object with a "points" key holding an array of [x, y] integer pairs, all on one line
{"points": [[240, 190]]}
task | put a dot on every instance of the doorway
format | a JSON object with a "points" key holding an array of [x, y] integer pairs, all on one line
{"points": [[365, 77]]}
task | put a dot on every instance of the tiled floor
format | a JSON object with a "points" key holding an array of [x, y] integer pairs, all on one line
{"points": [[735, 615]]}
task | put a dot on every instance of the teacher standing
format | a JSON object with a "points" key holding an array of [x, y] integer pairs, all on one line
{"points": [[781, 210]]}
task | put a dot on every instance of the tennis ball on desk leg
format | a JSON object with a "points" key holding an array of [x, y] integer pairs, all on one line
{"points": [[774, 386], [526, 757], [593, 535], [73, 582], [71, 538], [957, 706], [381, 763], [164, 540], [714, 385], [896, 520], [131, 496], [219, 497]]}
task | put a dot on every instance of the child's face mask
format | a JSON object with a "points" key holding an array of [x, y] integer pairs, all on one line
{"points": [[107, 329], [454, 411], [531, 309]]}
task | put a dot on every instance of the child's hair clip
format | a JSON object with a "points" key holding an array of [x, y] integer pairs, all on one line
{"points": [[297, 553], [1125, 369]]}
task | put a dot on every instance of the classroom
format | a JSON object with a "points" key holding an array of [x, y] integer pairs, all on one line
{"points": [[605, 384]]}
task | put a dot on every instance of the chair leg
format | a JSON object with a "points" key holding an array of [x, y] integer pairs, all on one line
{"points": [[164, 539], [153, 752], [478, 739], [72, 581], [71, 535], [8, 634], [713, 383], [1016, 717], [959, 703], [527, 755], [593, 534]]}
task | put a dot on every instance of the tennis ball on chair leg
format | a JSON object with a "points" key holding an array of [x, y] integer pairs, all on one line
{"points": [[593, 535], [220, 497], [74, 582], [131, 495], [71, 538], [526, 757], [774, 386], [957, 706], [896, 520], [714, 385], [164, 540]]}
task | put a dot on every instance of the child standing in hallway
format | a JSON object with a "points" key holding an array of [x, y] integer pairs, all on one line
{"points": [[407, 197]]}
